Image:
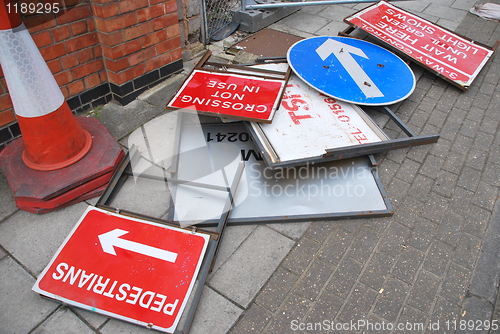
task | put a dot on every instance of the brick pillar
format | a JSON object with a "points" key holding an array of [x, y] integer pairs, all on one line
{"points": [[140, 42], [191, 22]]}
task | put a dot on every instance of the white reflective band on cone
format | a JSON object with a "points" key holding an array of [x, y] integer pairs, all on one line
{"points": [[32, 87]]}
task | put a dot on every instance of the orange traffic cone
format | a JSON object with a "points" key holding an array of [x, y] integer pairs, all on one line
{"points": [[56, 162], [52, 137]]}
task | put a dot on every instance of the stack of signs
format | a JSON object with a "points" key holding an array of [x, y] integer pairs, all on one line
{"points": [[143, 272]]}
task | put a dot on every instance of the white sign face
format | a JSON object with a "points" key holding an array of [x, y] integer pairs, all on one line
{"points": [[308, 123], [340, 188]]}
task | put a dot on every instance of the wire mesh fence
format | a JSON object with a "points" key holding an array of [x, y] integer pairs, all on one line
{"points": [[219, 14]]}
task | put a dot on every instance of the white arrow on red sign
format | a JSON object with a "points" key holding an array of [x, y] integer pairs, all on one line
{"points": [[111, 239]]}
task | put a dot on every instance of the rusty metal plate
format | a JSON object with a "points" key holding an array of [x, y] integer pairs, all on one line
{"points": [[268, 43]]}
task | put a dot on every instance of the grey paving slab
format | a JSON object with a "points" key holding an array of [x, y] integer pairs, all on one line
{"points": [[335, 247], [299, 258], [325, 309], [21, 309], [478, 310], [291, 230], [362, 247], [161, 94], [121, 120], [335, 12], [437, 258], [443, 318], [467, 250], [132, 193], [215, 314], [320, 230], [34, 239], [117, 326], [94, 320], [448, 24], [251, 265], [414, 7], [455, 284], [63, 321], [305, 22], [423, 291], [232, 238], [8, 206], [408, 264], [293, 310], [358, 304], [464, 4]]}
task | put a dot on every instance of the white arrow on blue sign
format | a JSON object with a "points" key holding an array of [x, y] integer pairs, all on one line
{"points": [[352, 70]]}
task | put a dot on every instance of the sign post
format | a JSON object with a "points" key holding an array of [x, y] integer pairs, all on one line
{"points": [[133, 270], [451, 56], [352, 70]]}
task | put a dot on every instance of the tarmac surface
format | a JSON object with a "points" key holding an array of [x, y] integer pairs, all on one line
{"points": [[432, 267]]}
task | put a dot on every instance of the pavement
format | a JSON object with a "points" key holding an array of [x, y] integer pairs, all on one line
{"points": [[432, 267]]}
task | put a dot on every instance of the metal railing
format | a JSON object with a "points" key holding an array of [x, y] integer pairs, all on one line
{"points": [[218, 14]]}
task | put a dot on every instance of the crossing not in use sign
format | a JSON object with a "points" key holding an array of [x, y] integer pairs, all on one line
{"points": [[126, 268], [352, 70], [231, 95]]}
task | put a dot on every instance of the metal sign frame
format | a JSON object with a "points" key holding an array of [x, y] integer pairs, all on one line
{"points": [[283, 218], [151, 245], [253, 94], [453, 57], [338, 153], [339, 119], [122, 173]]}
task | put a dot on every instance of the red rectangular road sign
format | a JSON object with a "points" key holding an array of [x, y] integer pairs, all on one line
{"points": [[125, 268], [455, 58], [230, 95]]}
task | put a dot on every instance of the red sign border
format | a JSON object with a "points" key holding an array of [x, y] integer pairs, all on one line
{"points": [[276, 103], [48, 294], [407, 56]]}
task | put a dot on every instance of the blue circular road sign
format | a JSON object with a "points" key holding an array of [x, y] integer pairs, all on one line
{"points": [[352, 70]]}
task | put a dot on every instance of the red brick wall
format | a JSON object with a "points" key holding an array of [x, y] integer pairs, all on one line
{"points": [[136, 36], [97, 43]]}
